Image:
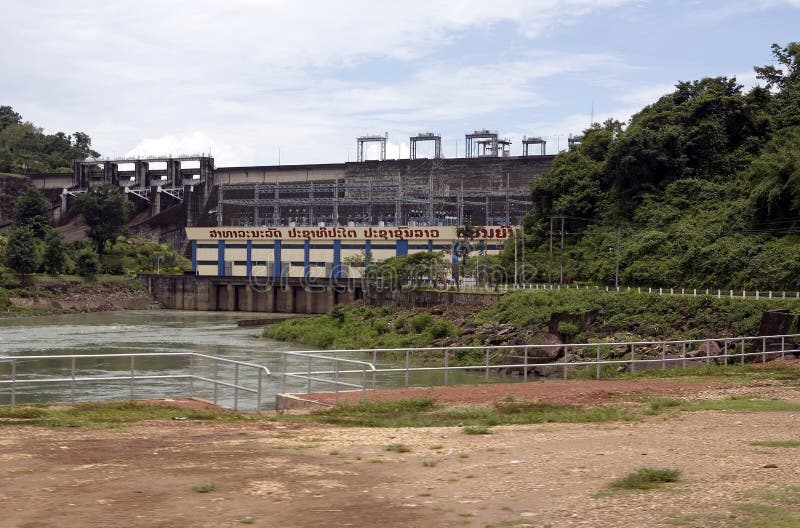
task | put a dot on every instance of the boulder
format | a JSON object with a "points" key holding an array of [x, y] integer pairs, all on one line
{"points": [[709, 348], [546, 338]]}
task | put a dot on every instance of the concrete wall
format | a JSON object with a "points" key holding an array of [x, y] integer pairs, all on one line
{"points": [[192, 292], [279, 173]]}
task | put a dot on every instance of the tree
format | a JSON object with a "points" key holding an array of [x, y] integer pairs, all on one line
{"points": [[789, 72], [8, 117], [55, 253], [33, 210], [23, 253], [104, 208], [88, 263]]}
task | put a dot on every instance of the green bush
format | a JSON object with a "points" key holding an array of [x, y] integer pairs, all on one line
{"points": [[88, 263], [420, 322]]}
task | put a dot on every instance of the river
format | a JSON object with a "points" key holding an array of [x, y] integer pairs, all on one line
{"points": [[152, 331]]}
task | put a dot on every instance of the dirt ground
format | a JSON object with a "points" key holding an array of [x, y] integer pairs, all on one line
{"points": [[288, 475]]}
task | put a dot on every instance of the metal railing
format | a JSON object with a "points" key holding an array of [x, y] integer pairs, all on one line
{"points": [[585, 360], [72, 375], [336, 377], [691, 292]]}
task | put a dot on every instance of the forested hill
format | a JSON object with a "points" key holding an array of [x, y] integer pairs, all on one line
{"points": [[700, 189], [25, 148]]}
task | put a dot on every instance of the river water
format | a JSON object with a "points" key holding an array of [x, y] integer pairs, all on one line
{"points": [[153, 331]]}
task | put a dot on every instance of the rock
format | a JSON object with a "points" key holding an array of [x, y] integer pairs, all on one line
{"points": [[770, 466], [546, 338], [505, 331], [709, 348]]}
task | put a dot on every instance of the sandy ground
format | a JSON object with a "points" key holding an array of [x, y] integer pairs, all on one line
{"points": [[287, 475]]}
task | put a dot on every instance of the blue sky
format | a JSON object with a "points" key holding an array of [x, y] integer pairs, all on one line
{"points": [[245, 78]]}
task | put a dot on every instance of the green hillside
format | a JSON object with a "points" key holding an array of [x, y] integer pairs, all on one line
{"points": [[25, 148], [699, 189]]}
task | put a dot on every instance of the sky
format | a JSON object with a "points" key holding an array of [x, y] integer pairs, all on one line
{"points": [[262, 82]]}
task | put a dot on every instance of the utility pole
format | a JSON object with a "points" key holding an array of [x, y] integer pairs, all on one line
{"points": [[522, 244], [550, 259], [561, 254], [515, 258], [619, 243]]}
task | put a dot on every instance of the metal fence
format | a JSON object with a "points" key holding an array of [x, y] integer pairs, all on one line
{"points": [[692, 292], [200, 372], [524, 362]]}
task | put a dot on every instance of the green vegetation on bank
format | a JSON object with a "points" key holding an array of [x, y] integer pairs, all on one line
{"points": [[360, 326], [424, 412], [638, 316], [699, 189], [113, 414], [33, 246], [643, 315]]}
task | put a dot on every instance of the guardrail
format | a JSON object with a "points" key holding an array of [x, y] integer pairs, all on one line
{"points": [[312, 374], [72, 374], [582, 359], [693, 292]]}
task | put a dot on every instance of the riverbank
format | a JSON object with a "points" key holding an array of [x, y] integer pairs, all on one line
{"points": [[536, 318], [69, 294]]}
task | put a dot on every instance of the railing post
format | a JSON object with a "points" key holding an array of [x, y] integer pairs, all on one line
{"points": [[72, 375], [259, 393], [336, 378], [133, 376], [216, 375], [664, 355], [236, 387], [726, 350], [742, 351], [763, 349], [708, 353], [308, 376], [13, 382], [446, 367], [487, 364], [364, 383], [783, 346], [633, 356], [191, 376], [374, 362], [597, 363], [283, 390], [525, 374], [565, 363], [408, 353], [683, 354]]}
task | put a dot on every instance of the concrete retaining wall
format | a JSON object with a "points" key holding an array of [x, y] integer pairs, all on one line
{"points": [[192, 292]]}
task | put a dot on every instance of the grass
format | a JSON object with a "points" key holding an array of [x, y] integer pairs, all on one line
{"points": [[397, 448], [422, 412], [645, 479], [735, 372], [111, 414], [477, 430], [769, 509], [776, 443], [430, 463], [205, 487], [739, 404]]}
